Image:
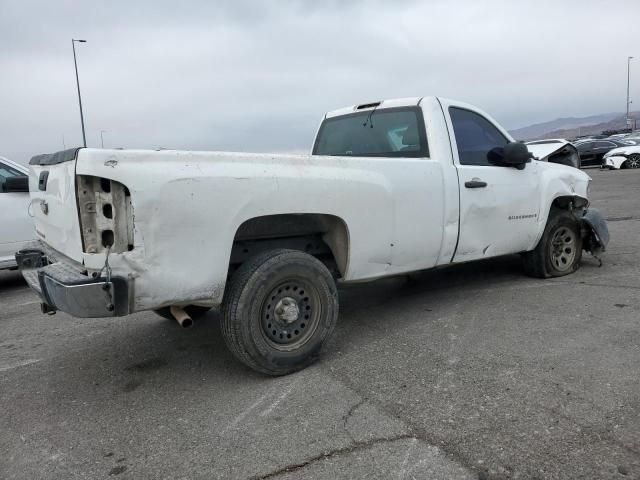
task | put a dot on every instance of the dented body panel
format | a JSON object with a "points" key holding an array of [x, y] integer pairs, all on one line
{"points": [[187, 207], [174, 215]]}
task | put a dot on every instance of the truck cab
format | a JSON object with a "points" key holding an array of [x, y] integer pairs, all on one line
{"points": [[488, 208]]}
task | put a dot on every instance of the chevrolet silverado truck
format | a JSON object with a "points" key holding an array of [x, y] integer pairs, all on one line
{"points": [[390, 188]]}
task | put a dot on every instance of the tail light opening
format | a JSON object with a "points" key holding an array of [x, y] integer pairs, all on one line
{"points": [[106, 216]]}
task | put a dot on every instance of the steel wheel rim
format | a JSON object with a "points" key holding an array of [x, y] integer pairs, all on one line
{"points": [[634, 161], [290, 314], [563, 249]]}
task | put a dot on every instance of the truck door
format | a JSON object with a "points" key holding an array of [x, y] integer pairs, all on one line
{"points": [[499, 206]]}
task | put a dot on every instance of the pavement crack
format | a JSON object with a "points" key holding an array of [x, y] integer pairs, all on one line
{"points": [[352, 447], [347, 416], [588, 284], [621, 219]]}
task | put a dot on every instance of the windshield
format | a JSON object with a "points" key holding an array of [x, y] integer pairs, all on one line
{"points": [[390, 132]]}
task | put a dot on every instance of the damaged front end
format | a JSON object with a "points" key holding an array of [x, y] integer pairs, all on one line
{"points": [[595, 233], [555, 151]]}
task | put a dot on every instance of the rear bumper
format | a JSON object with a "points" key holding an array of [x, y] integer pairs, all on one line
{"points": [[65, 286]]}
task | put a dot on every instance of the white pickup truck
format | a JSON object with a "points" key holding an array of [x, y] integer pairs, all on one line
{"points": [[390, 188]]}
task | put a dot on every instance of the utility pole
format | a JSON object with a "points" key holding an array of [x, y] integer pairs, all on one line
{"points": [[627, 119], [75, 63]]}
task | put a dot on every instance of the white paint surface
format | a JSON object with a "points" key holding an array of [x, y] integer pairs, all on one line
{"points": [[402, 214]]}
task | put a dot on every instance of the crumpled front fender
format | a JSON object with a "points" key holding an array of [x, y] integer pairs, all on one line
{"points": [[595, 231]]}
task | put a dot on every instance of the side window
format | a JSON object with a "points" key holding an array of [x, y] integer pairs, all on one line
{"points": [[583, 147], [5, 172], [475, 136]]}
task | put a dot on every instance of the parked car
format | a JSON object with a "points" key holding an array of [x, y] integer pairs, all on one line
{"points": [[592, 152], [16, 227], [391, 188], [623, 157]]}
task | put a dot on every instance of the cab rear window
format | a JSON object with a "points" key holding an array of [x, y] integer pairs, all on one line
{"points": [[389, 132]]}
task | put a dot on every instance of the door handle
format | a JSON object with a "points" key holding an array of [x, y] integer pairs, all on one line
{"points": [[475, 184]]}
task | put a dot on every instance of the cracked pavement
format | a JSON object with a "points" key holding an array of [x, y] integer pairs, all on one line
{"points": [[470, 372]]}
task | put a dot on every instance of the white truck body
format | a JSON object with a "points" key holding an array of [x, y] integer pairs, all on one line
{"points": [[180, 217]]}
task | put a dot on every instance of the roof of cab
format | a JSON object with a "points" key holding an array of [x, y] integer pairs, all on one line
{"points": [[394, 102]]}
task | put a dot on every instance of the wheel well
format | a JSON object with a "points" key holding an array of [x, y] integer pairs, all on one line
{"points": [[566, 202], [324, 236]]}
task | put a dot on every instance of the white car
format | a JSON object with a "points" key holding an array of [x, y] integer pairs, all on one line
{"points": [[623, 157], [16, 227], [390, 188]]}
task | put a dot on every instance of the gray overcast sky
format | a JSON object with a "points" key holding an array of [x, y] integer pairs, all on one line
{"points": [[257, 76]]}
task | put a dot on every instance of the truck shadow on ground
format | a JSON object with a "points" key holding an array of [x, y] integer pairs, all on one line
{"points": [[149, 346], [11, 280]]}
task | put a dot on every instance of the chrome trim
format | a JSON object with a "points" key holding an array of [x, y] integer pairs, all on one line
{"points": [[61, 286], [87, 300]]}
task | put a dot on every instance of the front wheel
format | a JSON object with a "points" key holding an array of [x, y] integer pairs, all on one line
{"points": [[560, 249], [633, 161], [279, 309]]}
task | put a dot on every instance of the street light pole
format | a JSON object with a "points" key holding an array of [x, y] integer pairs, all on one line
{"points": [[75, 63], [628, 102], [102, 138]]}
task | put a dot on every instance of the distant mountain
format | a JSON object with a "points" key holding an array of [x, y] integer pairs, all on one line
{"points": [[615, 124], [541, 130]]}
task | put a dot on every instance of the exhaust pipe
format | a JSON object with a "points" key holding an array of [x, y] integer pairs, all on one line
{"points": [[182, 317]]}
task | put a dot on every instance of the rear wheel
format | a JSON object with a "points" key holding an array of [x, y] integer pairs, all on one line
{"points": [[279, 309], [560, 249]]}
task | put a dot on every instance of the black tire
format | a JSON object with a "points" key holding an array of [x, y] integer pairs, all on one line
{"points": [[555, 255], [194, 311], [278, 310]]}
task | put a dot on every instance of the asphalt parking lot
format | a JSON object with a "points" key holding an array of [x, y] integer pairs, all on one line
{"points": [[470, 372]]}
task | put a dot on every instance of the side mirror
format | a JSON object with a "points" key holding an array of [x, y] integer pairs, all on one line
{"points": [[514, 154], [19, 184]]}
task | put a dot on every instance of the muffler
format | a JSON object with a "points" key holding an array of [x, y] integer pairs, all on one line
{"points": [[182, 317]]}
